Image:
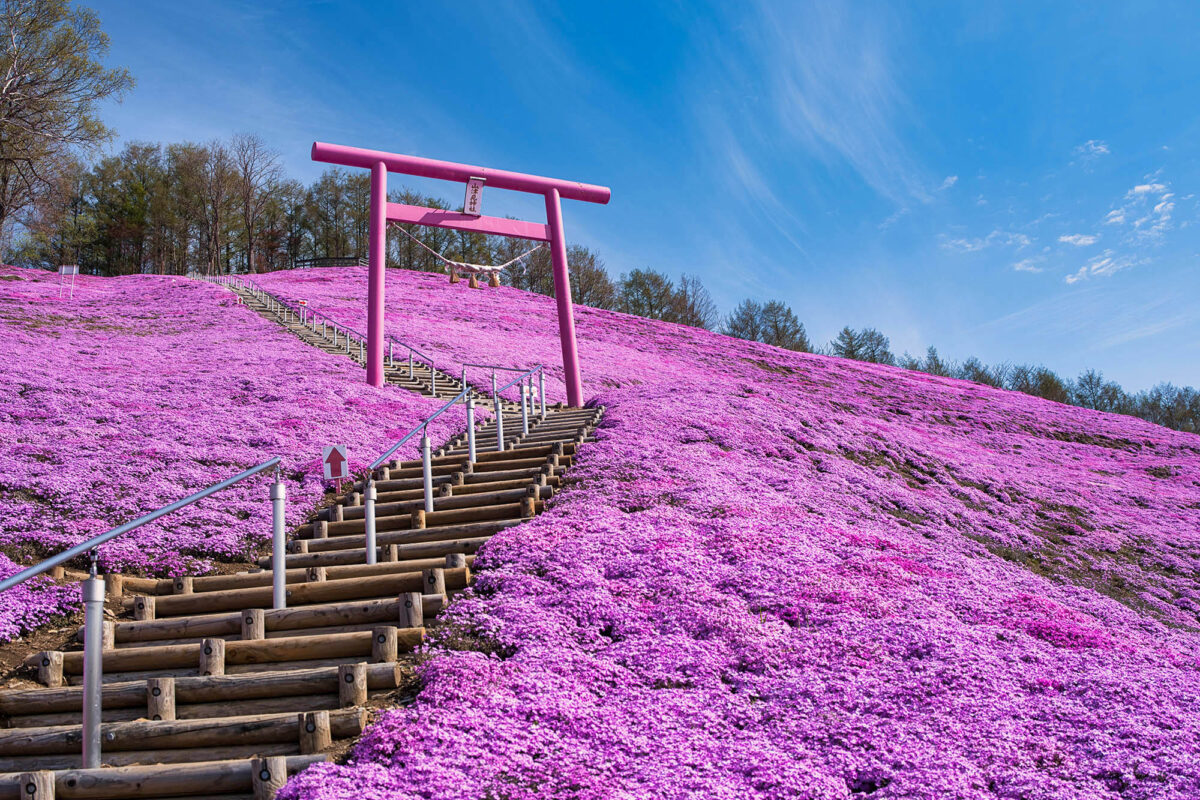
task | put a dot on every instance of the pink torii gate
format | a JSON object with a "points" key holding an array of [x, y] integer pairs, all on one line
{"points": [[382, 212]]}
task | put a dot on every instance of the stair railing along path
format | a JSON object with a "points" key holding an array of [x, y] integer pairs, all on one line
{"points": [[96, 630], [221, 685], [292, 310]]}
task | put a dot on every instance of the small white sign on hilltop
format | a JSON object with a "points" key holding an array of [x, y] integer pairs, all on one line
{"points": [[335, 463], [65, 271]]}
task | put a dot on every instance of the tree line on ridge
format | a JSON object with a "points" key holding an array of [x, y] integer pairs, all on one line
{"points": [[227, 207]]}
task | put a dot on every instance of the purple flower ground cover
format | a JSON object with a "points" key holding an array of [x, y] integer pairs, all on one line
{"points": [[142, 390], [779, 575]]}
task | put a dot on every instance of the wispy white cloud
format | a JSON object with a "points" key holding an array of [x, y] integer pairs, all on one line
{"points": [[993, 239], [1092, 149], [1107, 263], [1079, 239], [1078, 276], [826, 87], [1029, 264], [1115, 217], [950, 181], [1146, 188], [894, 218]]}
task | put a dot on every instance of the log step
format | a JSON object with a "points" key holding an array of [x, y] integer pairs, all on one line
{"points": [[200, 689], [228, 778], [213, 655]]}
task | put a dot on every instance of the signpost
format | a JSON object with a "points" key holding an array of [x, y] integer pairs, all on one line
{"points": [[333, 459], [473, 202], [63, 272]]}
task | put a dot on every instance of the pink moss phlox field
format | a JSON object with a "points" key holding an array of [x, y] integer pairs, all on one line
{"points": [[145, 389], [787, 576]]}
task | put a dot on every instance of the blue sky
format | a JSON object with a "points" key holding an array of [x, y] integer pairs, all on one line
{"points": [[1014, 181]]}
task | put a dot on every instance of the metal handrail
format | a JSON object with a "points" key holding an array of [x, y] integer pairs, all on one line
{"points": [[93, 593], [495, 366], [96, 541], [370, 493], [526, 374], [303, 311], [388, 453], [411, 349]]}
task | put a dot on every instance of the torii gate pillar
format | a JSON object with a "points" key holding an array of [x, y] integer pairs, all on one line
{"points": [[382, 212]]}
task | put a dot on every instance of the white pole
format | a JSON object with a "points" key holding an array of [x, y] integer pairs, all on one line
{"points": [[542, 390], [471, 428], [93, 666], [427, 472], [279, 542], [499, 415], [524, 409], [369, 513]]}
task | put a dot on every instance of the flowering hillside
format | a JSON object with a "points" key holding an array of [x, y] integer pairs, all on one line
{"points": [[782, 575], [142, 390]]}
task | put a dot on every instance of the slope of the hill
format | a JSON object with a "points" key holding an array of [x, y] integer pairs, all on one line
{"points": [[781, 575], [144, 389]]}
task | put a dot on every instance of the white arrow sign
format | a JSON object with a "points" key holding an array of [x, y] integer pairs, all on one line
{"points": [[333, 459]]}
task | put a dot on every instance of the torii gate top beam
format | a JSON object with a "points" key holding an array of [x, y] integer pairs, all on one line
{"points": [[449, 171], [553, 189]]}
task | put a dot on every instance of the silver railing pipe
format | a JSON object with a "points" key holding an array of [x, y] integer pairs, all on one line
{"points": [[542, 390], [427, 473], [369, 517], [471, 428], [278, 543], [83, 547], [92, 590], [524, 410], [461, 396], [93, 665], [499, 415]]}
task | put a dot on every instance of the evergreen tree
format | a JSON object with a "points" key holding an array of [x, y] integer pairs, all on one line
{"points": [[745, 321]]}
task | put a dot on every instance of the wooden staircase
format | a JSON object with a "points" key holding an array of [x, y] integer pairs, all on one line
{"points": [[211, 692]]}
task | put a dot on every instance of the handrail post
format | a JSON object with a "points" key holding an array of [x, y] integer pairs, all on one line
{"points": [[390, 361], [410, 364], [499, 414], [279, 542], [361, 356], [426, 471], [470, 428], [369, 516], [524, 409], [93, 665], [542, 389]]}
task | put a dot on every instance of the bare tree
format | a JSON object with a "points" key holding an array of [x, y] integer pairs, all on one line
{"points": [[51, 81], [693, 305], [258, 172], [590, 284], [218, 188]]}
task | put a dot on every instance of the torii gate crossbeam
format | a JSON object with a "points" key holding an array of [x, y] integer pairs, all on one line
{"points": [[382, 212]]}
